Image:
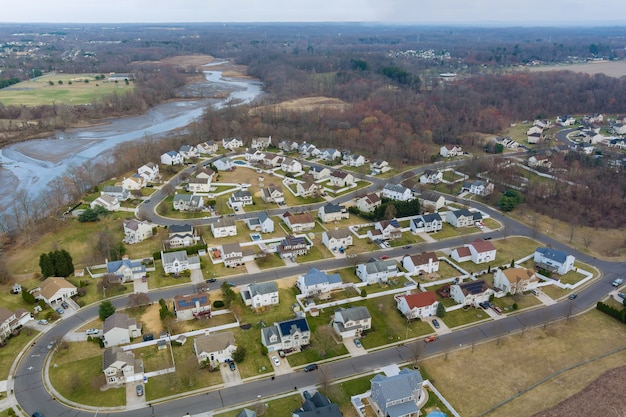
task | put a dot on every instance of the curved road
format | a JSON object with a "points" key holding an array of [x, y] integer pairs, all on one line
{"points": [[33, 396]]}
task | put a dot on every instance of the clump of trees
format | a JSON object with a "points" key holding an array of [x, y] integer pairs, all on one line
{"points": [[92, 214], [57, 263], [510, 199]]}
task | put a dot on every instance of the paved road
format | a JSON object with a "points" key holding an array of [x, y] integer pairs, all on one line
{"points": [[32, 395]]}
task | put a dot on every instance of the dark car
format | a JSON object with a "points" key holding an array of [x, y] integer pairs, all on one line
{"points": [[208, 281], [60, 310], [37, 414], [311, 367], [231, 365], [572, 296], [436, 323], [139, 389], [65, 305]]}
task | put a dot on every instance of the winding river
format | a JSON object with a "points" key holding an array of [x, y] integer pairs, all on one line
{"points": [[31, 165]]}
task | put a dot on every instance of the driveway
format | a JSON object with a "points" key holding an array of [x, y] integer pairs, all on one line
{"points": [[352, 349], [196, 276], [140, 286], [283, 368], [252, 268], [132, 400], [229, 377]]}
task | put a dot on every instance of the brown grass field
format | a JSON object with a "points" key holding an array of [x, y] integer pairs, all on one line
{"points": [[305, 104]]}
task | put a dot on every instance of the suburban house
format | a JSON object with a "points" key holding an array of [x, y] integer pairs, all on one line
{"points": [[119, 329], [397, 395], [254, 156], [316, 282], [397, 192], [292, 246], [134, 182], [315, 406], [307, 189], [417, 306], [193, 306], [337, 239], [272, 160], [299, 222], [119, 365], [385, 230], [208, 147], [351, 322], [593, 118], [188, 151], [136, 231], [223, 164], [199, 185], [539, 161], [375, 271], [341, 179], [288, 145], [368, 203], [54, 290], [478, 187], [6, 318], [332, 213], [507, 142], [329, 154], [542, 123], [261, 143], [188, 202], [273, 194], [515, 280], [431, 176], [215, 348], [353, 160], [181, 235], [262, 223], [240, 198], [379, 167], [425, 262], [286, 335], [175, 262], [448, 151], [172, 158], [205, 172], [291, 166], [231, 143], [319, 172], [461, 254], [116, 191], [534, 135], [232, 254], [261, 295], [426, 223], [462, 217], [554, 260], [431, 202], [565, 120], [126, 270], [105, 201], [470, 293], [224, 227], [307, 150], [482, 251]]}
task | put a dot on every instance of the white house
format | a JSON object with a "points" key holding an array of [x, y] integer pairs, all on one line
{"points": [[231, 143], [332, 213], [397, 395], [376, 271], [262, 223], [431, 176], [307, 150], [288, 145], [199, 185], [224, 227], [254, 156], [448, 151], [341, 179], [336, 239], [126, 270], [368, 203], [292, 246], [215, 348], [417, 306], [431, 201], [565, 120], [181, 235], [462, 217], [172, 158], [397, 192], [175, 262], [192, 306], [478, 187], [232, 254], [385, 230], [308, 188], [316, 282], [461, 254], [107, 202], [223, 164], [208, 147], [116, 191], [188, 151], [240, 198], [300, 222], [471, 293], [261, 143], [119, 365], [54, 290], [329, 154], [352, 321], [119, 329], [482, 251], [261, 295], [134, 182], [554, 260], [379, 167], [291, 166], [188, 202], [353, 160], [319, 172], [515, 280], [273, 194], [149, 172], [426, 223], [287, 335], [425, 262]]}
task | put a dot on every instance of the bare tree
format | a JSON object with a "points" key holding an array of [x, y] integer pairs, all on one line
{"points": [[587, 240], [323, 340], [138, 299]]}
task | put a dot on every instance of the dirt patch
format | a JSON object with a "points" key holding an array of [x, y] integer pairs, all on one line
{"points": [[305, 105], [287, 282], [612, 69], [151, 320]]}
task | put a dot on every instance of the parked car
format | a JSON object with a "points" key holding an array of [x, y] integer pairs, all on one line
{"points": [[534, 292], [407, 246], [431, 338], [231, 365], [92, 331], [572, 296], [496, 309], [484, 305], [51, 344], [60, 310], [65, 305], [275, 360], [311, 367], [139, 390], [42, 321], [621, 295], [37, 414], [382, 258], [617, 282], [357, 343], [231, 284], [436, 323], [210, 280]]}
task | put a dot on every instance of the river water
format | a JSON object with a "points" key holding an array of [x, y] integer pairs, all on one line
{"points": [[32, 164]]}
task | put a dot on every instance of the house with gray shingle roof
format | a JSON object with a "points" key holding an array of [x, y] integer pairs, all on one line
{"points": [[119, 329], [119, 365], [262, 223], [397, 395], [426, 223], [397, 192], [376, 271], [175, 262], [287, 335], [316, 282], [261, 295], [188, 202], [316, 406], [332, 213], [126, 269], [462, 217], [337, 239], [215, 348], [351, 322]]}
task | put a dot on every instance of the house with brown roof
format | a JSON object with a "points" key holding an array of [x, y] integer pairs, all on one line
{"points": [[273, 194], [461, 254], [515, 280], [425, 262], [292, 246], [341, 179], [119, 366], [417, 306], [368, 203], [308, 189], [482, 251], [55, 290], [298, 222], [215, 348]]}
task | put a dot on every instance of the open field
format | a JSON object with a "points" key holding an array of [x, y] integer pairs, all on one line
{"points": [[304, 105], [72, 89], [611, 68]]}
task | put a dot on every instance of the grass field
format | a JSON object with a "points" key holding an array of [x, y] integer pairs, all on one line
{"points": [[65, 89]]}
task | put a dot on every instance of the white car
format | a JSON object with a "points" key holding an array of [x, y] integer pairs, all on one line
{"points": [[92, 331], [276, 360]]}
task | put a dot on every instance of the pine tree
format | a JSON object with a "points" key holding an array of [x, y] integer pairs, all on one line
{"points": [[106, 309], [46, 265]]}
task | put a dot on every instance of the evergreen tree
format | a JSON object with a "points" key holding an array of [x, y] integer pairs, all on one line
{"points": [[64, 264], [46, 265], [441, 310], [107, 309]]}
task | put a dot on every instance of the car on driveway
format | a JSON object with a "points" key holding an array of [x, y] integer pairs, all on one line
{"points": [[60, 310], [65, 305], [92, 331], [621, 295], [431, 338], [231, 365], [311, 367], [139, 390], [436, 323], [357, 343], [42, 321], [572, 296], [275, 360], [496, 309]]}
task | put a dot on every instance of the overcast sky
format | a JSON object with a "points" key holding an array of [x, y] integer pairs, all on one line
{"points": [[500, 12]]}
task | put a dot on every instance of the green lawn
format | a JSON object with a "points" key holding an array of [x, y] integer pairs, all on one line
{"points": [[449, 231], [459, 317], [14, 346], [280, 407]]}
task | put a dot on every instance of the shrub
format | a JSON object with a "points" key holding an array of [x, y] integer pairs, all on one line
{"points": [[218, 304]]}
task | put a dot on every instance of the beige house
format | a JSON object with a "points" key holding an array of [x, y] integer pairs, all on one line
{"points": [[215, 348], [55, 290], [119, 365], [351, 322], [368, 203], [119, 329], [515, 280]]}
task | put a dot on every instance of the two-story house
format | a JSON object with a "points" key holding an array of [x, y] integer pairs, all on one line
{"points": [[337, 239], [316, 282], [262, 223], [397, 192], [149, 172], [425, 262], [291, 166], [181, 235], [426, 223], [287, 335], [232, 143], [431, 201], [273, 194], [240, 198], [352, 322], [431, 176], [224, 227], [353, 160], [134, 182], [288, 145], [462, 217], [208, 147], [136, 231], [126, 270], [376, 271], [397, 395], [300, 222], [417, 306], [379, 167], [261, 295], [368, 203], [188, 202], [215, 348], [515, 280], [319, 173], [482, 251], [470, 293], [261, 143], [385, 230], [478, 187], [119, 366], [116, 191], [175, 262], [292, 246], [332, 213], [119, 329], [341, 179], [448, 151], [554, 260], [172, 158], [105, 201], [188, 151], [232, 254], [199, 185], [192, 306], [224, 164], [308, 188]]}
